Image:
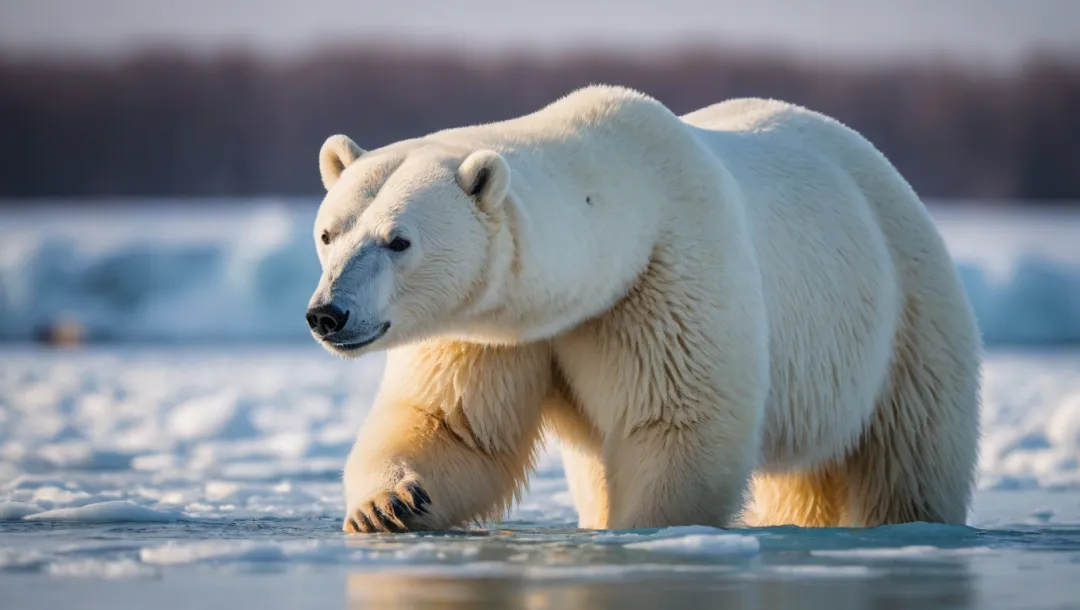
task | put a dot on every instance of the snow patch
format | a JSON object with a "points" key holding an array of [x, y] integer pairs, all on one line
{"points": [[904, 552], [14, 511], [820, 571], [117, 511], [97, 568], [661, 534], [701, 544], [21, 559], [175, 553]]}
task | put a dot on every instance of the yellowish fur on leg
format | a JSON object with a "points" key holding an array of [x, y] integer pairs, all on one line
{"points": [[813, 499], [460, 421], [582, 456]]}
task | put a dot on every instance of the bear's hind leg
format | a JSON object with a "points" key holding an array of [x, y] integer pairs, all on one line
{"points": [[808, 499], [917, 459]]}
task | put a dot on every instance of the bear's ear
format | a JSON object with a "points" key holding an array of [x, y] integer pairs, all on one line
{"points": [[337, 153], [485, 176]]}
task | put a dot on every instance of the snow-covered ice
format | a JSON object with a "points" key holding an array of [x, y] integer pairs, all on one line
{"points": [[903, 552], [191, 464], [114, 511], [166, 434], [701, 544]]}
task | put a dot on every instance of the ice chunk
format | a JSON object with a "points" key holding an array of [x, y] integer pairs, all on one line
{"points": [[106, 512], [13, 511], [701, 544]]}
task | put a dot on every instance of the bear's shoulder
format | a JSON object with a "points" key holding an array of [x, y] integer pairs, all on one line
{"points": [[758, 114], [596, 105]]}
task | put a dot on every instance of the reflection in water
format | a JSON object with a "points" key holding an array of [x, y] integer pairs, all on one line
{"points": [[760, 586]]}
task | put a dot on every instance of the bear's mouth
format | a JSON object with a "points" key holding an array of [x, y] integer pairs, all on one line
{"points": [[355, 345]]}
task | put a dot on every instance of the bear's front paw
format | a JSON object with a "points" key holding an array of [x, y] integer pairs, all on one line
{"points": [[400, 510]]}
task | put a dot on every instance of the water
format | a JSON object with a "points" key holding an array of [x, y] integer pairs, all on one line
{"points": [[275, 563]]}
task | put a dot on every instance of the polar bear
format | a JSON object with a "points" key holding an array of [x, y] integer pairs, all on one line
{"points": [[747, 298]]}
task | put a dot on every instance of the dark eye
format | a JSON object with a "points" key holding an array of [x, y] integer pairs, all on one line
{"points": [[399, 244], [325, 237]]}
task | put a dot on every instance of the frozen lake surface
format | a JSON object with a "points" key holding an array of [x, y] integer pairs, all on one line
{"points": [[209, 477]]}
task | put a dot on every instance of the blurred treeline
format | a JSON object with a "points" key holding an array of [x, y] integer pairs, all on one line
{"points": [[234, 124]]}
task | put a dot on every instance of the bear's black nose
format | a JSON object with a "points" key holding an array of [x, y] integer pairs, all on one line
{"points": [[326, 319]]}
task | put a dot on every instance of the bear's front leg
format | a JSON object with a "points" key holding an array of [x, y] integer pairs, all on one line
{"points": [[451, 437], [665, 475], [678, 436], [673, 380]]}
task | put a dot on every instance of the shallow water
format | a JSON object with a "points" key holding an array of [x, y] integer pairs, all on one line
{"points": [[286, 563], [164, 478]]}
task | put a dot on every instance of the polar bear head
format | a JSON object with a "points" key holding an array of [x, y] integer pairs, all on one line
{"points": [[406, 237]]}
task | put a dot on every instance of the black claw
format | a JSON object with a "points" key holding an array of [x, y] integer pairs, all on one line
{"points": [[421, 495], [388, 521], [399, 507], [366, 525], [354, 524], [418, 497], [376, 519]]}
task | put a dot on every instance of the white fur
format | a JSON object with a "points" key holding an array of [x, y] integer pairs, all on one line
{"points": [[751, 287]]}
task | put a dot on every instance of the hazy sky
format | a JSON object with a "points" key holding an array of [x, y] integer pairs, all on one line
{"points": [[992, 31]]}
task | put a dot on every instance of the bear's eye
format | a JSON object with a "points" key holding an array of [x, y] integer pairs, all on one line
{"points": [[326, 237], [398, 244]]}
